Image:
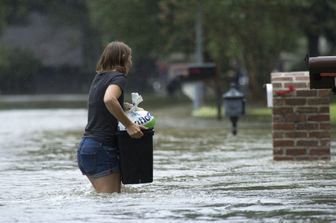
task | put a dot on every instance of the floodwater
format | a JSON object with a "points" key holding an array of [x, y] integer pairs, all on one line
{"points": [[201, 174]]}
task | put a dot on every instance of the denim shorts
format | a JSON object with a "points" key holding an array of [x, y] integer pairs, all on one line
{"points": [[96, 159]]}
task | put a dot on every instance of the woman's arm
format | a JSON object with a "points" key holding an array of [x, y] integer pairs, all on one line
{"points": [[111, 96]]}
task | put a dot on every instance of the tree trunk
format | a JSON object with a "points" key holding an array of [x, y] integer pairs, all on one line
{"points": [[254, 85], [313, 39]]}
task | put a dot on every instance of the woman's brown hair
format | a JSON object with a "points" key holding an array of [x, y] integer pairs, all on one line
{"points": [[116, 56]]}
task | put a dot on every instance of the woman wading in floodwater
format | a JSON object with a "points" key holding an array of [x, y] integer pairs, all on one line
{"points": [[97, 154]]}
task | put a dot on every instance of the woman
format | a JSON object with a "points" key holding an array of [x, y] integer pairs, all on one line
{"points": [[98, 153]]}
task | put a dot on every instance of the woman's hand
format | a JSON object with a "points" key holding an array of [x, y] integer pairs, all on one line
{"points": [[127, 106], [134, 131]]}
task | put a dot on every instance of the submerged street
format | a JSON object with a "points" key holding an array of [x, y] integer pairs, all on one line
{"points": [[201, 173]]}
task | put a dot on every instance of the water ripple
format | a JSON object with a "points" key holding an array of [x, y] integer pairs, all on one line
{"points": [[200, 175]]}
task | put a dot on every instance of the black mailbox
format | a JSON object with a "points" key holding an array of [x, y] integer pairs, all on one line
{"points": [[234, 102], [200, 72], [234, 105], [322, 72], [194, 72]]}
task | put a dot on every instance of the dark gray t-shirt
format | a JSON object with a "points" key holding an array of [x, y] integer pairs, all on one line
{"points": [[102, 125]]}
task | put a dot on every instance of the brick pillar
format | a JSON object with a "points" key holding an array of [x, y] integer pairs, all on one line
{"points": [[301, 120]]}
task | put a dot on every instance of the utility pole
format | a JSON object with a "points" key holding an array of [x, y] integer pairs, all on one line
{"points": [[195, 90], [199, 85]]}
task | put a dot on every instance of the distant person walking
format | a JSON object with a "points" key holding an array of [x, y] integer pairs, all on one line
{"points": [[97, 154]]}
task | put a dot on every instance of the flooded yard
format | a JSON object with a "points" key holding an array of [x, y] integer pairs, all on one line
{"points": [[201, 173]]}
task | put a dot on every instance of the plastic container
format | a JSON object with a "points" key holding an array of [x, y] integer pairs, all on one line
{"points": [[136, 157]]}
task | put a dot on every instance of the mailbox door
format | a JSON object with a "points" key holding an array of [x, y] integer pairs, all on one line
{"points": [[204, 71], [318, 82], [322, 72], [233, 107]]}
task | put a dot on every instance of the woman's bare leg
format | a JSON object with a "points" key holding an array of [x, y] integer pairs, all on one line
{"points": [[107, 184]]}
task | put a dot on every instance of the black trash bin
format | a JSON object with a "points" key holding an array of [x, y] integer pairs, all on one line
{"points": [[136, 157]]}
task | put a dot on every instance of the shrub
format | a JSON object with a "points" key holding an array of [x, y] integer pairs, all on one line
{"points": [[18, 68]]}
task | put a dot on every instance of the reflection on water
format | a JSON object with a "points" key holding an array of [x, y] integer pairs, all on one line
{"points": [[200, 174]]}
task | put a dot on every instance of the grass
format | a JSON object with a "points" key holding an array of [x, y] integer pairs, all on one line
{"points": [[211, 112], [333, 113]]}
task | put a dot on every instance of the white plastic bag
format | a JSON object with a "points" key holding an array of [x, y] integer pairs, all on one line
{"points": [[138, 115]]}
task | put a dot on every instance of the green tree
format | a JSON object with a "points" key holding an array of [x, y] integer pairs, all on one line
{"points": [[18, 69], [136, 23], [260, 31], [133, 21], [252, 32], [315, 18]]}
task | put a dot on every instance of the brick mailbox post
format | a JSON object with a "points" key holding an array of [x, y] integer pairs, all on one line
{"points": [[300, 118]]}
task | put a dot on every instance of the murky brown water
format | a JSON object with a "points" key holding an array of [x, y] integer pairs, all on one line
{"points": [[201, 173]]}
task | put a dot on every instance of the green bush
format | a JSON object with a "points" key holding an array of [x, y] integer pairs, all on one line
{"points": [[18, 68]]}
